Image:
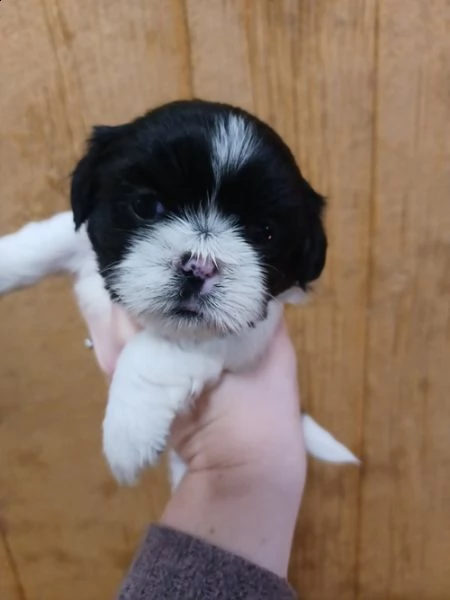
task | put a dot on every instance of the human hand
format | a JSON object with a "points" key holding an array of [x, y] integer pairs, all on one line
{"points": [[243, 446], [250, 418], [246, 465]]}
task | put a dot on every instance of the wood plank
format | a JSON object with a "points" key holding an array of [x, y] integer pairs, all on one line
{"points": [[307, 67], [219, 50], [65, 67], [362, 98], [405, 532]]}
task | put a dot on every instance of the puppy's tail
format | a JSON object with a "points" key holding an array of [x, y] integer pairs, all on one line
{"points": [[321, 444], [40, 249]]}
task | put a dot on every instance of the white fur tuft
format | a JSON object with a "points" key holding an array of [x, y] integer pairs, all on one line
{"points": [[322, 445], [177, 469], [294, 295], [233, 144]]}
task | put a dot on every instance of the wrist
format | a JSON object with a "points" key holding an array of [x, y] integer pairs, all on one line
{"points": [[248, 509]]}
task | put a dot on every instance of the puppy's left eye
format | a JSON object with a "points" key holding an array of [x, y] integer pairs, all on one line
{"points": [[265, 233], [147, 207], [268, 232]]}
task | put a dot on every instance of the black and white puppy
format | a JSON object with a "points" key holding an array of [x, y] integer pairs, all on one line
{"points": [[197, 220], [199, 216]]}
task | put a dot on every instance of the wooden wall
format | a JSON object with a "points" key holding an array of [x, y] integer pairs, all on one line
{"points": [[361, 91]]}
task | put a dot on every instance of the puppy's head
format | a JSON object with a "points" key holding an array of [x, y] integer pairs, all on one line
{"points": [[198, 215]]}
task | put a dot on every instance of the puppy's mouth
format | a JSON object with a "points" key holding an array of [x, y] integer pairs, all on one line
{"points": [[189, 305], [193, 296], [186, 313]]}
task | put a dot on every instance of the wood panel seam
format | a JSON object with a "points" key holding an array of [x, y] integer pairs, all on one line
{"points": [[185, 13], [20, 589]]}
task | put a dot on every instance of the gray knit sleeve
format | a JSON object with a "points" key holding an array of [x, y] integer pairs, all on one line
{"points": [[175, 566]]}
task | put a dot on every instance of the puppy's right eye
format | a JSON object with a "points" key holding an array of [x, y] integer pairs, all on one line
{"points": [[147, 207]]}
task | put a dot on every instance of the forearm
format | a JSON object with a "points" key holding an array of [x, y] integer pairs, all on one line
{"points": [[224, 534]]}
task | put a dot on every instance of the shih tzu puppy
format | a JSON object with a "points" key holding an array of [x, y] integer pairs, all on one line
{"points": [[196, 219]]}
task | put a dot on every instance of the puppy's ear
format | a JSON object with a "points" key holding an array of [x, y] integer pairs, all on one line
{"points": [[86, 175], [313, 247]]}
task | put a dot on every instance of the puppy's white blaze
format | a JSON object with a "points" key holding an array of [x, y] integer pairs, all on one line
{"points": [[322, 445], [233, 144]]}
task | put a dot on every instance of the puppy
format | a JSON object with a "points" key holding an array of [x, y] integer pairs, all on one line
{"points": [[196, 219]]}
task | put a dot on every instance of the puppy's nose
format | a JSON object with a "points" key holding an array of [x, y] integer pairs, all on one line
{"points": [[198, 267]]}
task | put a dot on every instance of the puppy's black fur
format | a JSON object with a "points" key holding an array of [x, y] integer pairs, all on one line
{"points": [[159, 165]]}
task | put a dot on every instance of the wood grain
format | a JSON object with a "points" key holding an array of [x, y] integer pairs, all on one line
{"points": [[404, 537], [307, 68], [359, 89], [220, 53], [68, 66]]}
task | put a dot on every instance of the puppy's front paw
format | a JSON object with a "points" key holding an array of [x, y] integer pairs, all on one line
{"points": [[146, 394], [129, 449]]}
